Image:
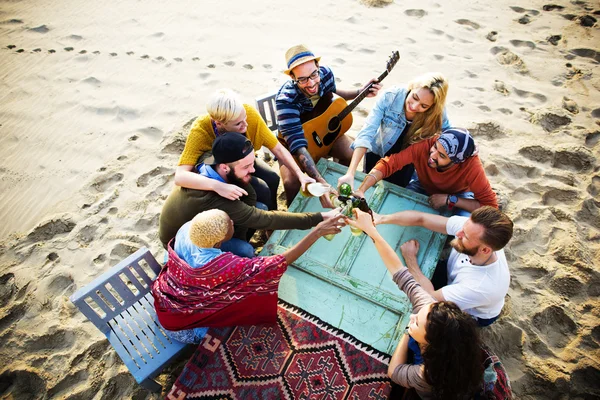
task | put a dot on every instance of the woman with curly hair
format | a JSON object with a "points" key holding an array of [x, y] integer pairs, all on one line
{"points": [[447, 354], [402, 116]]}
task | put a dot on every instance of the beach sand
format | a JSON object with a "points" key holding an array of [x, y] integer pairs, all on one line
{"points": [[97, 100]]}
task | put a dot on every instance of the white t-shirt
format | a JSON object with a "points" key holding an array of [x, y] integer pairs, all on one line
{"points": [[476, 289]]}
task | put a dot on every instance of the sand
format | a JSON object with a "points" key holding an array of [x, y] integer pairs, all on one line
{"points": [[97, 99]]}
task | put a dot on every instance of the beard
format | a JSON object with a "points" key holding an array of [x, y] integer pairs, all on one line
{"points": [[234, 179], [458, 246]]}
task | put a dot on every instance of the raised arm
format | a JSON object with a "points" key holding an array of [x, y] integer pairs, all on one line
{"points": [[352, 93], [286, 159], [435, 223], [325, 227]]}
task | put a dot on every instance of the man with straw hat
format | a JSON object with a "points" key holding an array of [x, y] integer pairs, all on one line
{"points": [[310, 82]]}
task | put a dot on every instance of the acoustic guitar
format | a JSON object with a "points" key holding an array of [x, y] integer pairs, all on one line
{"points": [[331, 118]]}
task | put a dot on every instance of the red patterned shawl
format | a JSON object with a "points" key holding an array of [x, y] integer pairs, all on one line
{"points": [[229, 290]]}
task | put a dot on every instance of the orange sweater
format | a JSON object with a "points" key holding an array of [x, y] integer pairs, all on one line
{"points": [[459, 178]]}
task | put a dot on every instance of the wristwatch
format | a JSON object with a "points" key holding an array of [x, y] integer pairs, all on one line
{"points": [[451, 201]]}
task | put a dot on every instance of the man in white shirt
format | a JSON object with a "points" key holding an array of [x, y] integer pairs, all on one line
{"points": [[477, 272]]}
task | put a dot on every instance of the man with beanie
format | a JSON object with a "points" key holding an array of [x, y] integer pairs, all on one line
{"points": [[232, 162], [449, 172], [300, 99]]}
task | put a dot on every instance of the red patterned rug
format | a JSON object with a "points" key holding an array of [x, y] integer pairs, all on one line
{"points": [[299, 357]]}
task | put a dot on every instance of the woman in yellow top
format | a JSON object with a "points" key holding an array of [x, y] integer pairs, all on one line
{"points": [[227, 113]]}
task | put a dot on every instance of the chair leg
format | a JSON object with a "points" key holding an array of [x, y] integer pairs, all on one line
{"points": [[151, 385]]}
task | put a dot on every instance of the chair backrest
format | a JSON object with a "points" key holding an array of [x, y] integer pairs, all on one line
{"points": [[117, 289], [267, 103]]}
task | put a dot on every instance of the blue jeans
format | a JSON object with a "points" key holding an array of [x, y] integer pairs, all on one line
{"points": [[416, 186], [238, 247]]}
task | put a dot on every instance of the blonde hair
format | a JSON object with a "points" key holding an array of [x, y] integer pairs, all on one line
{"points": [[224, 105], [429, 122], [209, 228]]}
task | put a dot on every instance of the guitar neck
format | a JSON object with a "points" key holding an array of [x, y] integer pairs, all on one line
{"points": [[360, 97]]}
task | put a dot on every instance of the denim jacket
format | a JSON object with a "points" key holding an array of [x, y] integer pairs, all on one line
{"points": [[386, 121]]}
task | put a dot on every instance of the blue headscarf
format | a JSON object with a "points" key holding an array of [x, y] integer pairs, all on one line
{"points": [[458, 143]]}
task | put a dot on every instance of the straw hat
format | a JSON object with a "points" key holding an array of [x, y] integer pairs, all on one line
{"points": [[297, 55]]}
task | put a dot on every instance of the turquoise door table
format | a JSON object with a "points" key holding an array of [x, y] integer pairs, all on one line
{"points": [[344, 281]]}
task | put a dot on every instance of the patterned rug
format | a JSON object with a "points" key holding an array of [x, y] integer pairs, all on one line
{"points": [[299, 357]]}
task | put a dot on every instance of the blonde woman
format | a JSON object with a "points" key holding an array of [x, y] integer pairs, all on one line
{"points": [[227, 113], [402, 116]]}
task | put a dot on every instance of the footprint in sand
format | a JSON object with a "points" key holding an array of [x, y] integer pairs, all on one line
{"points": [[8, 288], [96, 52], [248, 66], [522, 10], [50, 228], [57, 340], [550, 121], [36, 50], [507, 57], [144, 179], [178, 59], [530, 95], [123, 250], [83, 52], [523, 43], [23, 384], [133, 138], [555, 326], [570, 105], [229, 63], [500, 87], [147, 224], [537, 153], [87, 234], [592, 138], [12, 21], [113, 54], [211, 66], [489, 130], [418, 13], [567, 286], [59, 284], [492, 36], [68, 49], [40, 29], [555, 197], [578, 159], [267, 66], [587, 53], [554, 39], [103, 183], [100, 259], [52, 257], [552, 7], [469, 23]]}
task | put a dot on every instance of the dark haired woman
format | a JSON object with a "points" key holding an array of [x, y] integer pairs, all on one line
{"points": [[447, 352]]}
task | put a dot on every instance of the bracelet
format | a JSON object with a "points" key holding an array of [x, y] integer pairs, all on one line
{"points": [[374, 177]]}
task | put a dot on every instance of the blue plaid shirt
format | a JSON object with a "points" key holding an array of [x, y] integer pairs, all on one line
{"points": [[291, 102]]}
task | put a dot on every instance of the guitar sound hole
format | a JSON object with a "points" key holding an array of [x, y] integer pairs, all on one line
{"points": [[334, 128]]}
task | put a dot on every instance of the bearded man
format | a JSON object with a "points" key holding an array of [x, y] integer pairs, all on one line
{"points": [[476, 275], [232, 162]]}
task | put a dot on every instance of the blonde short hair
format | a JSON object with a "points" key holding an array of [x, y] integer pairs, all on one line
{"points": [[209, 228], [224, 105], [429, 123]]}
